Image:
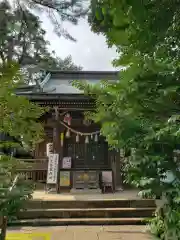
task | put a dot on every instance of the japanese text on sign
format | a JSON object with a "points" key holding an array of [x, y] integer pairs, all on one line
{"points": [[52, 168]]}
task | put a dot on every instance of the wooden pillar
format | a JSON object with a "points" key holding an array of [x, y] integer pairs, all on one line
{"points": [[56, 130], [113, 167], [119, 183], [61, 153], [56, 140], [121, 162], [116, 168]]}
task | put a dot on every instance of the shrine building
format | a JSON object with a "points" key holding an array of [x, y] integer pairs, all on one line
{"points": [[85, 161]]}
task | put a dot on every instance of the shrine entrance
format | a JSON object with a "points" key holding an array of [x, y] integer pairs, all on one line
{"points": [[87, 155], [88, 160]]}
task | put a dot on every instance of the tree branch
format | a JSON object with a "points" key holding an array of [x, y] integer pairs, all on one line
{"points": [[54, 6], [59, 7]]}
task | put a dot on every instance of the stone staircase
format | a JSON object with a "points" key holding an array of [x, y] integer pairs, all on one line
{"points": [[85, 212]]}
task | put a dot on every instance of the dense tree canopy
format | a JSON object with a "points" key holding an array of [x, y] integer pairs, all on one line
{"points": [[18, 117], [58, 11], [141, 110], [23, 40], [19, 120]]}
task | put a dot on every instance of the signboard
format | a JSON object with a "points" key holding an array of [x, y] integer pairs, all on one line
{"points": [[66, 163], [107, 176], [49, 149], [52, 168], [65, 179]]}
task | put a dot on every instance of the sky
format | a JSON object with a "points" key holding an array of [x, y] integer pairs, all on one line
{"points": [[89, 51]]}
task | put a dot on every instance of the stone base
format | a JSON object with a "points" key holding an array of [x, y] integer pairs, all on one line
{"points": [[119, 189], [85, 191]]}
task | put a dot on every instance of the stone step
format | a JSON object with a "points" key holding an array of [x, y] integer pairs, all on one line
{"points": [[108, 203], [78, 221], [87, 213]]}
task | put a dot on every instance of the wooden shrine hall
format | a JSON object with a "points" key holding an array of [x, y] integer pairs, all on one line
{"points": [[83, 159]]}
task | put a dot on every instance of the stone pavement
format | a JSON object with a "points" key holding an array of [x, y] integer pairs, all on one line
{"points": [[123, 195], [81, 233]]}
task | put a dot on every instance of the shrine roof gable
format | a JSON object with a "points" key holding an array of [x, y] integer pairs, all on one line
{"points": [[61, 81]]}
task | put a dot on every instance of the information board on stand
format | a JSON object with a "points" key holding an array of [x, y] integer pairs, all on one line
{"points": [[52, 168]]}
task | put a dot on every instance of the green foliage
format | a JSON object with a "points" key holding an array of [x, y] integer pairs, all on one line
{"points": [[22, 39], [166, 224], [17, 115], [12, 201], [58, 11], [141, 110], [18, 119], [158, 226]]}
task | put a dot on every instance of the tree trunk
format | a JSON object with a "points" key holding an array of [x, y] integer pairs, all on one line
{"points": [[3, 228]]}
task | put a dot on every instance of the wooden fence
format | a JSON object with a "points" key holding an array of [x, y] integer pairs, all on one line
{"points": [[36, 175], [34, 170]]}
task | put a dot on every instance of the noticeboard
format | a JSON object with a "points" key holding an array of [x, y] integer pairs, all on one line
{"points": [[66, 162], [65, 179]]}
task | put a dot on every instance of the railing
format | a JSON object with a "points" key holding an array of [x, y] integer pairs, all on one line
{"points": [[36, 175], [4, 218], [34, 170], [34, 163]]}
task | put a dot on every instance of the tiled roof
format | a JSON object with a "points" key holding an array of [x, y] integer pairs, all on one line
{"points": [[60, 82]]}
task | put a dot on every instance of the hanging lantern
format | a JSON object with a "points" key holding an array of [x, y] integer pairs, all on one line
{"points": [[77, 138], [67, 119], [87, 139], [68, 133], [96, 138]]}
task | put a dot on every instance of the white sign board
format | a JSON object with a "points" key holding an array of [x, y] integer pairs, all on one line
{"points": [[66, 163], [49, 149], [52, 168]]}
